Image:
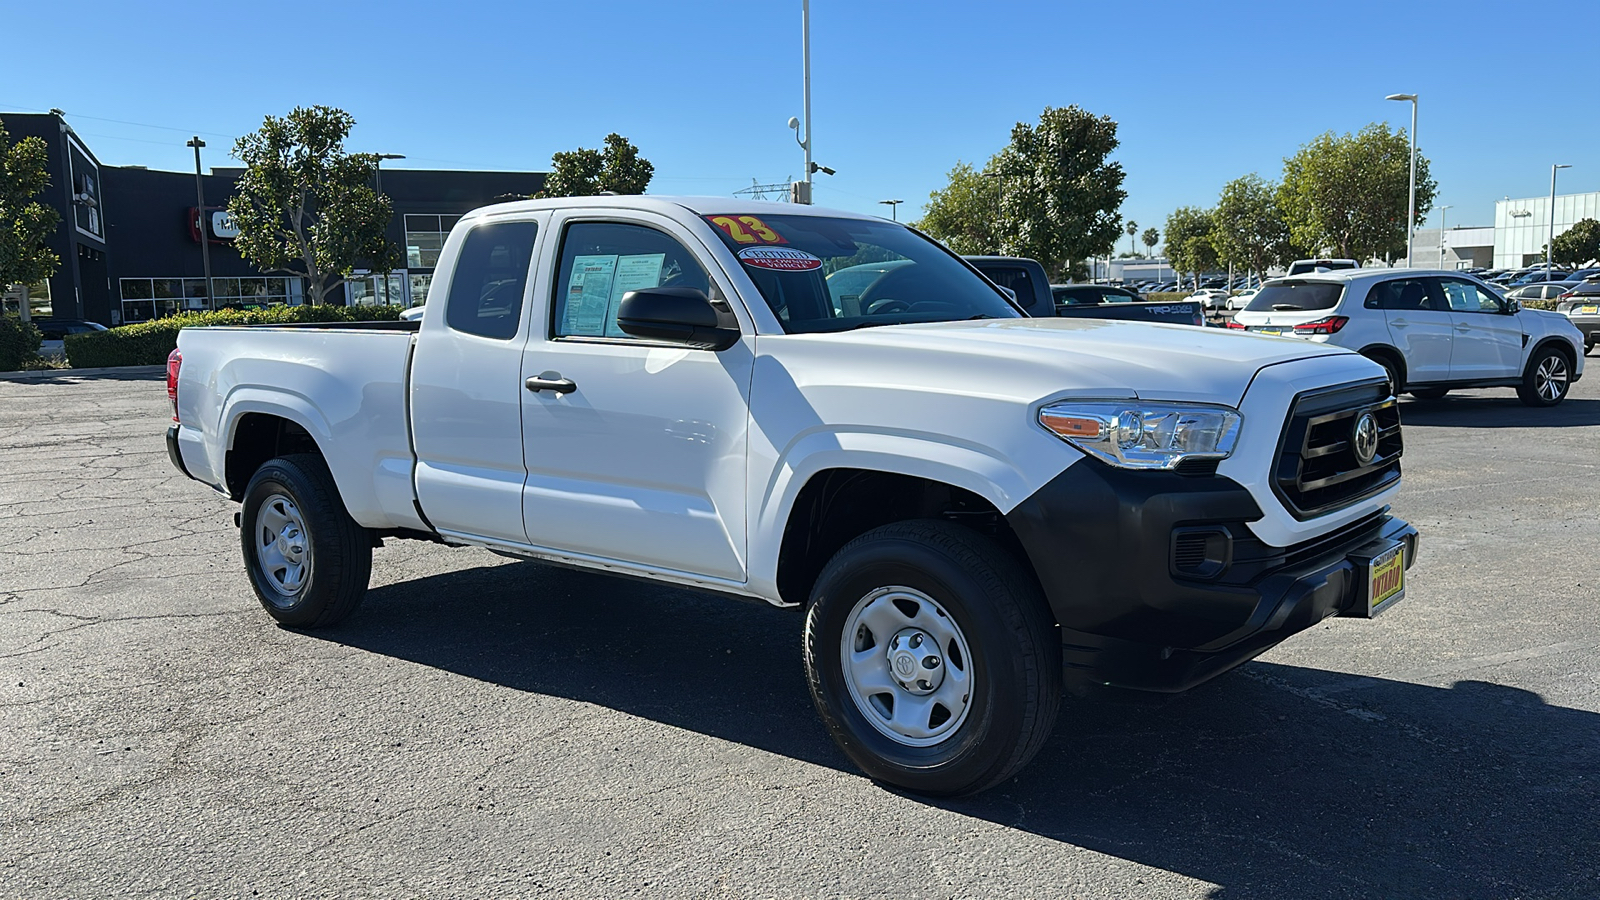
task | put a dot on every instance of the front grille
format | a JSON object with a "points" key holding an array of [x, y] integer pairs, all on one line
{"points": [[1317, 470]]}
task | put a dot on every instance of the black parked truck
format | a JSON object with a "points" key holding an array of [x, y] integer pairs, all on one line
{"points": [[1026, 279]]}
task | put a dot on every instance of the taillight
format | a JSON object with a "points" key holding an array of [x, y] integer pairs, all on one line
{"points": [[1236, 326], [1566, 296], [174, 363], [1329, 325]]}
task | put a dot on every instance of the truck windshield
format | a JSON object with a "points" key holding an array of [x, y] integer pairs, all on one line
{"points": [[821, 273], [1295, 296]]}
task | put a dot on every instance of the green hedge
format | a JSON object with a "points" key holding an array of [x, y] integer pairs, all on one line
{"points": [[19, 343], [148, 343]]}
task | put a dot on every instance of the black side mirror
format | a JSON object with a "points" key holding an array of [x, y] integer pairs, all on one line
{"points": [[680, 316], [1512, 306]]}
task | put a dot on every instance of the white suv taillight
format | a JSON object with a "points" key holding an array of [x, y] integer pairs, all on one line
{"points": [[174, 363]]}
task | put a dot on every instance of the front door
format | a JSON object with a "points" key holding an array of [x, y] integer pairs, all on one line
{"points": [[642, 458], [466, 393], [1419, 324], [1488, 341]]}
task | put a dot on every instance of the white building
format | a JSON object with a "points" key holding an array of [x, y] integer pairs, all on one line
{"points": [[1465, 247], [1522, 227]]}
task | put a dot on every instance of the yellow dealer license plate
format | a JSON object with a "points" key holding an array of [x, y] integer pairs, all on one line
{"points": [[1386, 580], [1587, 310]]}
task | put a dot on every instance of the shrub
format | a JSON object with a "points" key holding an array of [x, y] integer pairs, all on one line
{"points": [[19, 343], [148, 343]]}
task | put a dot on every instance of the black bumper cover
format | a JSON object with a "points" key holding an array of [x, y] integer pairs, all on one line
{"points": [[1101, 543]]}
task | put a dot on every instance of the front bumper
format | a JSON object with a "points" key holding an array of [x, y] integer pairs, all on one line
{"points": [[1138, 610]]}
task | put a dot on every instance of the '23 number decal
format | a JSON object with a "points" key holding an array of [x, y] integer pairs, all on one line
{"points": [[746, 229]]}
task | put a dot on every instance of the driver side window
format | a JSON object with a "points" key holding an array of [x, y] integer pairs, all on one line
{"points": [[602, 261], [1467, 297]]}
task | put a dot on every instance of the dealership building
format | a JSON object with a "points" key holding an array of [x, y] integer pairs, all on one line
{"points": [[129, 238]]}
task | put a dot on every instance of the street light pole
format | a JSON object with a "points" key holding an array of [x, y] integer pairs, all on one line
{"points": [[1443, 214], [200, 211], [1550, 248], [999, 204], [1411, 205], [894, 208]]}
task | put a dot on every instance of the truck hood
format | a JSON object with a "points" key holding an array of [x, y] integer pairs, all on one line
{"points": [[1033, 358]]}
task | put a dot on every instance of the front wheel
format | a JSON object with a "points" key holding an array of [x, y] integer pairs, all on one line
{"points": [[1547, 379], [308, 561], [932, 658]]}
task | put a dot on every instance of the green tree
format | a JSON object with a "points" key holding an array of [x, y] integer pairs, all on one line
{"points": [[25, 223], [1578, 244], [1132, 228], [1247, 227], [964, 212], [306, 207], [1061, 197], [1189, 241], [1150, 238], [1347, 194], [584, 172]]}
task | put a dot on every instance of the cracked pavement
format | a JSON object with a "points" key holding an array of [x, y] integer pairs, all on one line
{"points": [[483, 727]]}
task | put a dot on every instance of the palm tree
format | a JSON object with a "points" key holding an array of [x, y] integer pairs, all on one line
{"points": [[1133, 229], [1151, 238]]}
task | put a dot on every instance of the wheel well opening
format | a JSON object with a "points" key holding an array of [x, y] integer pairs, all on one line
{"points": [[838, 505], [261, 437]]}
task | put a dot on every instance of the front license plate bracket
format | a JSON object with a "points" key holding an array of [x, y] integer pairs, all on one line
{"points": [[1380, 579]]}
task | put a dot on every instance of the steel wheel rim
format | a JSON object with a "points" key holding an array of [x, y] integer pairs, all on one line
{"points": [[1551, 378], [283, 547], [880, 633]]}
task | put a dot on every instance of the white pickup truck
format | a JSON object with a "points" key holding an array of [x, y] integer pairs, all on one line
{"points": [[974, 509]]}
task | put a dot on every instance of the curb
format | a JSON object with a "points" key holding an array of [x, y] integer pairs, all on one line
{"points": [[43, 374]]}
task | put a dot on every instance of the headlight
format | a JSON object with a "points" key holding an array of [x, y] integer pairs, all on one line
{"points": [[1136, 435]]}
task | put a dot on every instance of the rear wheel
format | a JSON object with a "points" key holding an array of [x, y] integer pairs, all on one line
{"points": [[1547, 379], [1429, 393], [308, 561], [932, 658]]}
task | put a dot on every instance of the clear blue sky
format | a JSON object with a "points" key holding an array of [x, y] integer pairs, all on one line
{"points": [[901, 91]]}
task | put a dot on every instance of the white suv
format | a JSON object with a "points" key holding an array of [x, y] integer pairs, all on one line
{"points": [[1433, 330]]}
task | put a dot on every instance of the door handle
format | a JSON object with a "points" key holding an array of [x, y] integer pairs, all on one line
{"points": [[550, 381]]}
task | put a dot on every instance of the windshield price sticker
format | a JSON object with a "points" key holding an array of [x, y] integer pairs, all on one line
{"points": [[781, 259], [746, 229]]}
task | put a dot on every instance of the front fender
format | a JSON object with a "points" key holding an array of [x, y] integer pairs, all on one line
{"points": [[985, 471]]}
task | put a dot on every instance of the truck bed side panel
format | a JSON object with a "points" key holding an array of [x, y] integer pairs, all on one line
{"points": [[345, 388]]}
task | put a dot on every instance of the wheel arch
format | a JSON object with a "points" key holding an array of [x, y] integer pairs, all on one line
{"points": [[1386, 351]]}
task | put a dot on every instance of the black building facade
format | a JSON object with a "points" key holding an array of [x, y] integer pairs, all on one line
{"points": [[129, 238]]}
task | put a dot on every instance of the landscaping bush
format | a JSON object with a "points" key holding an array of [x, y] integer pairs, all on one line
{"points": [[148, 343], [1167, 296], [19, 343]]}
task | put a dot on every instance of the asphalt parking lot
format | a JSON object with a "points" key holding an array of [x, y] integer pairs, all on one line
{"points": [[484, 727]]}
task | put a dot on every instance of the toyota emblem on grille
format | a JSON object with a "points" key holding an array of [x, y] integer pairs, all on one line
{"points": [[1364, 438]]}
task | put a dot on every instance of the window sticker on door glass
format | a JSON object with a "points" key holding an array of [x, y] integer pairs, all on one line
{"points": [[595, 290], [634, 273], [589, 295]]}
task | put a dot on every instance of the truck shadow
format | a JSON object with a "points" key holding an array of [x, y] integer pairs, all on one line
{"points": [[1496, 409], [1275, 781]]}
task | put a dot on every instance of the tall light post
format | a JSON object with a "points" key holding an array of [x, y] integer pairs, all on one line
{"points": [[377, 185], [1550, 248], [1411, 205], [1443, 211], [801, 191], [894, 208], [200, 211], [999, 204]]}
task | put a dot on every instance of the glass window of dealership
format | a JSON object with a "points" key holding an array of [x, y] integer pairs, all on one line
{"points": [[1522, 227]]}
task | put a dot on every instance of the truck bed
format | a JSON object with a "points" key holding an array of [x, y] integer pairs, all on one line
{"points": [[343, 383]]}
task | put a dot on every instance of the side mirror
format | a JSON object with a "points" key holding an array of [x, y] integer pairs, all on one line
{"points": [[1513, 306], [1008, 292], [680, 316]]}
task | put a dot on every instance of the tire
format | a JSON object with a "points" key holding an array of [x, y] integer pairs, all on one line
{"points": [[1588, 347], [1430, 393], [1397, 379], [1547, 379], [931, 589], [308, 561]]}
